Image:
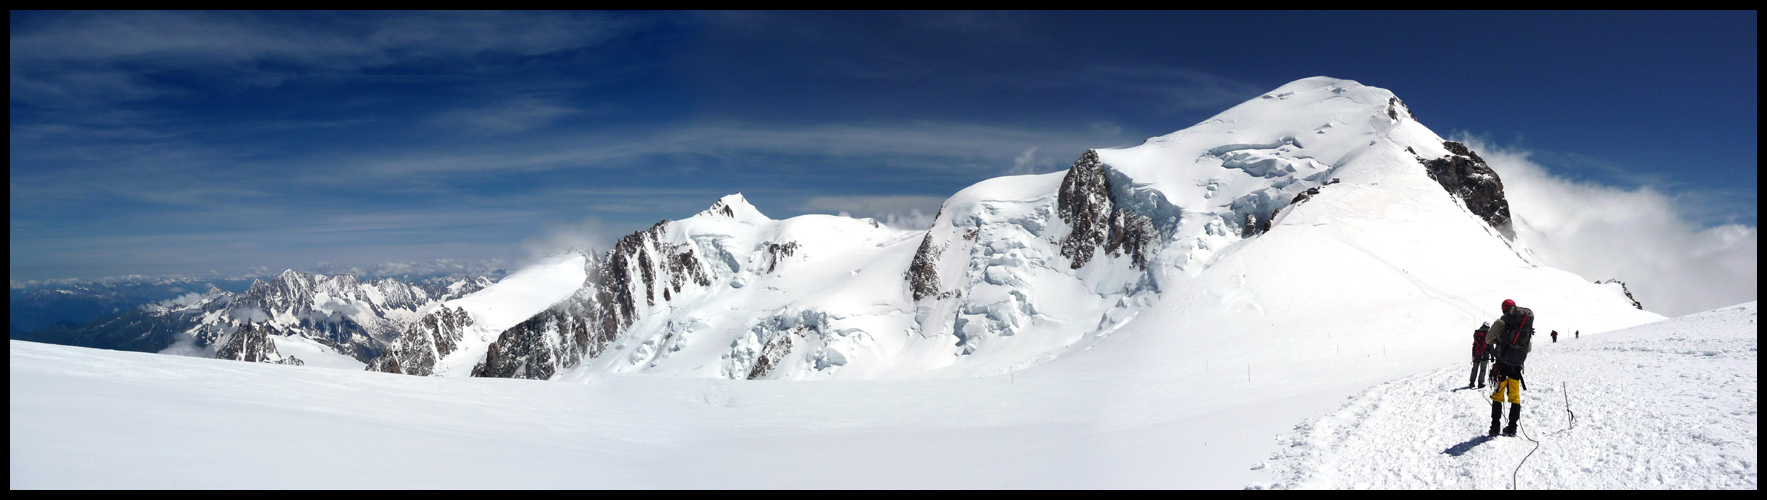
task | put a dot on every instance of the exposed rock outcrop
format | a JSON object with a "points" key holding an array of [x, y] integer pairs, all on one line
{"points": [[542, 345], [1623, 290], [1084, 202], [777, 252], [1133, 234], [762, 352], [923, 272], [252, 343], [417, 350], [560, 337], [1394, 105], [1466, 176], [772, 353], [583, 325]]}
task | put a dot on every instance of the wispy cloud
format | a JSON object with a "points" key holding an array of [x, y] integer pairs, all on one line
{"points": [[513, 115], [1027, 162], [444, 268], [240, 206], [923, 146], [1673, 264], [1174, 88], [115, 56]]}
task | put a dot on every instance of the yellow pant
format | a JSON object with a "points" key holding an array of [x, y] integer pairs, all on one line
{"points": [[1513, 386]]}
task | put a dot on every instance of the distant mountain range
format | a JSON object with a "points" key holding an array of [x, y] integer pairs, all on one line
{"points": [[37, 305], [347, 315]]}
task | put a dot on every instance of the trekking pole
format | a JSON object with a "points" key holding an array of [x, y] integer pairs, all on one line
{"points": [[1573, 421]]}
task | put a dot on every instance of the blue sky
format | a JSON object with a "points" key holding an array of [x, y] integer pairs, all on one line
{"points": [[196, 143]]}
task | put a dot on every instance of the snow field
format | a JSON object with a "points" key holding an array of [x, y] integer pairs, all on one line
{"points": [[1665, 405], [312, 353], [104, 419]]}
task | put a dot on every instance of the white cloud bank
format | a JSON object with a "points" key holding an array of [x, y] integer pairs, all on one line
{"points": [[1642, 237]]}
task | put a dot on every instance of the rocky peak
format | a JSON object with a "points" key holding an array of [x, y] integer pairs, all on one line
{"points": [[733, 207], [290, 289]]}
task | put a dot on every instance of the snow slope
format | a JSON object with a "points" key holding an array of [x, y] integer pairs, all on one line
{"points": [[1665, 405], [85, 418]]}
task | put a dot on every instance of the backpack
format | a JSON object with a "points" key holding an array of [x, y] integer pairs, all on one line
{"points": [[1479, 342], [1518, 333]]}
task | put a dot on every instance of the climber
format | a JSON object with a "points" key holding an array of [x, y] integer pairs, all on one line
{"points": [[1511, 336], [1480, 355]]}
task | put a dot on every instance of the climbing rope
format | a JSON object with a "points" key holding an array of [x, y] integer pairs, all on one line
{"points": [[1518, 465], [1572, 424]]}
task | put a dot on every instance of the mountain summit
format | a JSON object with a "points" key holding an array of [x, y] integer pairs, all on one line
{"points": [[1322, 208]]}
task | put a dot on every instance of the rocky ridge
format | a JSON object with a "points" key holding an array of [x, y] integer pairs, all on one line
{"points": [[253, 343], [1466, 176]]}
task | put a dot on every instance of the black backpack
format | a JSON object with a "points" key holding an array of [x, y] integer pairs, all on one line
{"points": [[1518, 332]]}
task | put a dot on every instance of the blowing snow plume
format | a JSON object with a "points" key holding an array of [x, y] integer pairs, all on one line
{"points": [[589, 235]]}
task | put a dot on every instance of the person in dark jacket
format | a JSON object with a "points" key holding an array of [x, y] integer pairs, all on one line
{"points": [[1509, 334], [1555, 336], [1480, 356]]}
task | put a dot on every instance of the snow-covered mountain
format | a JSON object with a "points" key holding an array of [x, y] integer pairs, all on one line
{"points": [[1156, 316], [1322, 206], [338, 320]]}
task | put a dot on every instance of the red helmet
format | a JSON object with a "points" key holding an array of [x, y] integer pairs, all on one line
{"points": [[1508, 303]]}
